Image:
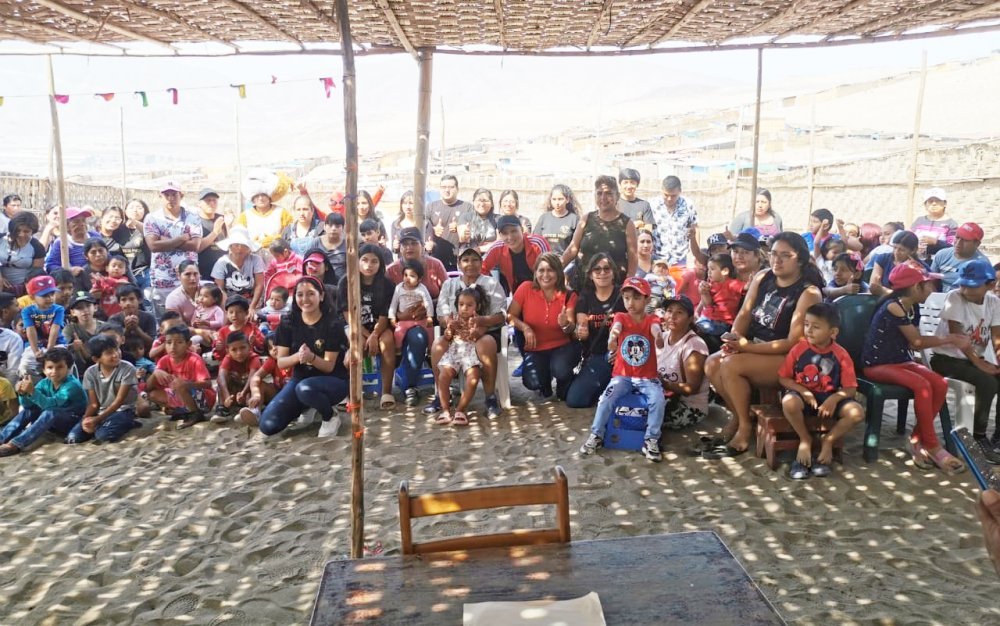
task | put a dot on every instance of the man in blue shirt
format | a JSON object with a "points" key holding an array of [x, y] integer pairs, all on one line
{"points": [[946, 261]]}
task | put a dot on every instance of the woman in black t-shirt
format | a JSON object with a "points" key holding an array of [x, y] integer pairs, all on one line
{"points": [[134, 241], [596, 305], [310, 339]]}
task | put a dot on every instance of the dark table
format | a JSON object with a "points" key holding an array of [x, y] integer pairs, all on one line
{"points": [[682, 578]]}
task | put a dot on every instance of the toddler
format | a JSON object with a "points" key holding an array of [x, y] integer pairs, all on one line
{"points": [[409, 293], [847, 272], [826, 252], [661, 284], [235, 373], [265, 383], [720, 297], [277, 305], [43, 323], [181, 382], [460, 355], [208, 316], [143, 365], [105, 288]]}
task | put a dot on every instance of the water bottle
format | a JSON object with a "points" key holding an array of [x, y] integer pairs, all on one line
{"points": [[367, 366]]}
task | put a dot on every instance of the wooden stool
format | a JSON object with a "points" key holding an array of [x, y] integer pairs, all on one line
{"points": [[775, 434]]}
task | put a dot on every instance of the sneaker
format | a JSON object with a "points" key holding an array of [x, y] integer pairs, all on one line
{"points": [[995, 439], [192, 418], [820, 470], [412, 396], [989, 451], [591, 445], [434, 406], [651, 450], [493, 410], [306, 419], [798, 471], [221, 416], [518, 371], [330, 427], [248, 417]]}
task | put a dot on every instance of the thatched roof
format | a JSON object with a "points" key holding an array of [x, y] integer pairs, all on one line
{"points": [[511, 25]]}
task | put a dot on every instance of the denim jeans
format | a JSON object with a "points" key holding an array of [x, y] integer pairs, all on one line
{"points": [[594, 376], [322, 393], [113, 428], [31, 423], [621, 386], [541, 366], [414, 353]]}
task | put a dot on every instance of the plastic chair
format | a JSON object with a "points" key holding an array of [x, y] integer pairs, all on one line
{"points": [[965, 393]]}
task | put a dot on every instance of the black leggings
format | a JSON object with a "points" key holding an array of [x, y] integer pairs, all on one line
{"points": [[986, 386]]}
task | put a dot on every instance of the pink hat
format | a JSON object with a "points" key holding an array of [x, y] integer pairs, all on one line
{"points": [[75, 211], [639, 284], [908, 274], [170, 186], [970, 231]]}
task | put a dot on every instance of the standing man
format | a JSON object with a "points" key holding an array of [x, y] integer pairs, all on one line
{"points": [[675, 217], [173, 234], [637, 209], [213, 230], [443, 214]]}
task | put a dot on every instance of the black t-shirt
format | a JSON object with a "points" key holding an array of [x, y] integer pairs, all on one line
{"points": [[326, 335], [147, 323], [375, 299], [134, 246], [522, 272], [599, 315], [211, 254]]}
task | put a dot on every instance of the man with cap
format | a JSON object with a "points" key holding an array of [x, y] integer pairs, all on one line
{"points": [[935, 230], [470, 263], [443, 215], [173, 234], [637, 209], [745, 250], [77, 234], [514, 254], [213, 230], [947, 260]]}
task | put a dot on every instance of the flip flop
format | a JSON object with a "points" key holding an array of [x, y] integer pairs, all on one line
{"points": [[942, 458], [704, 444], [460, 419], [722, 452], [919, 454], [387, 401], [443, 418]]}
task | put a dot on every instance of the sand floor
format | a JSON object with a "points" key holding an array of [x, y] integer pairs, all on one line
{"points": [[209, 527]]}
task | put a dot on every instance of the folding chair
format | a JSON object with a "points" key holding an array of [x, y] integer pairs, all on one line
{"points": [[965, 393]]}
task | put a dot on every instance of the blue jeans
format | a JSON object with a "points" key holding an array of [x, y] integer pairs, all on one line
{"points": [[322, 393], [414, 353], [31, 423], [113, 428], [594, 376], [621, 386], [541, 366]]}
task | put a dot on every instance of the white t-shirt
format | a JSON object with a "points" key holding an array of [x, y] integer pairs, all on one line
{"points": [[976, 319], [670, 364]]}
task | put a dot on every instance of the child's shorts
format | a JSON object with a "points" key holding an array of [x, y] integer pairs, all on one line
{"points": [[820, 399], [461, 357], [204, 399], [399, 333]]}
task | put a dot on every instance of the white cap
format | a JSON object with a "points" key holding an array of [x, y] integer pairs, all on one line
{"points": [[936, 192]]}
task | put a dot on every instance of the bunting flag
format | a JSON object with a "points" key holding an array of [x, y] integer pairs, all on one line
{"points": [[61, 99], [242, 88], [1, 101], [274, 79], [327, 85], [173, 93], [108, 97], [142, 95]]}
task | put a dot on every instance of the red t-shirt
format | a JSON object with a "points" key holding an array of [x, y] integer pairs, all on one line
{"points": [[279, 376], [543, 316], [821, 371], [636, 356], [192, 367], [726, 297], [254, 336], [235, 368]]}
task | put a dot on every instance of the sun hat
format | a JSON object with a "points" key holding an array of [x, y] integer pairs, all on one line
{"points": [[975, 273], [970, 231], [241, 236], [639, 284], [42, 286], [908, 274]]}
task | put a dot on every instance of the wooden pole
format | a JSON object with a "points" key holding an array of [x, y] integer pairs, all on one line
{"points": [[60, 181], [121, 135], [239, 161], [444, 153], [353, 287], [423, 135], [756, 133], [812, 152], [737, 163], [915, 150]]}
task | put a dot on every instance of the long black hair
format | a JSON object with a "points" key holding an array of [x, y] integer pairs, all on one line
{"points": [[295, 315], [810, 273], [480, 295]]}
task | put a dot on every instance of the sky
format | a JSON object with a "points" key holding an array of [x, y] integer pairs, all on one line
{"points": [[510, 98]]}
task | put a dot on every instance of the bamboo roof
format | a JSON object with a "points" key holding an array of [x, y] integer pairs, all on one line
{"points": [[511, 26]]}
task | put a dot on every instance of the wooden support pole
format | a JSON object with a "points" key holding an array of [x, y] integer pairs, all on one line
{"points": [[353, 286], [239, 159], [121, 141], [60, 181], [756, 133], [812, 152], [737, 164], [915, 150], [423, 136]]}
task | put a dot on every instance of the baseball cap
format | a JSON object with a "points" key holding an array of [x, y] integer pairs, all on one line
{"points": [[82, 296], [682, 300], [75, 211], [314, 257], [410, 232], [936, 192], [639, 284], [660, 262], [750, 230], [507, 220], [908, 274], [970, 231], [237, 301], [471, 250], [975, 273], [170, 186], [206, 192], [42, 286], [717, 239], [746, 241]]}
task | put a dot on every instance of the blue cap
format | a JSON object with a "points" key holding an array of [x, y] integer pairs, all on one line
{"points": [[717, 239], [975, 273], [752, 232]]}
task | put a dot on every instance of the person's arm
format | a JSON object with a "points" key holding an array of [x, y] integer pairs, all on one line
{"points": [[742, 322], [920, 342], [425, 296], [694, 373], [286, 359], [103, 414], [955, 328], [253, 374], [218, 228], [156, 244], [54, 331], [394, 305], [696, 252], [93, 406], [875, 283], [258, 290], [224, 394], [631, 242], [808, 298], [573, 249], [514, 314]]}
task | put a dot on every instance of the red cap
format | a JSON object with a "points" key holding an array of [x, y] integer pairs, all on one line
{"points": [[42, 286], [908, 274], [315, 257], [970, 231], [639, 284]]}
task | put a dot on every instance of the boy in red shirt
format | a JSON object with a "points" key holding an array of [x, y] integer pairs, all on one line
{"points": [[235, 373], [630, 342], [181, 382], [238, 314]]}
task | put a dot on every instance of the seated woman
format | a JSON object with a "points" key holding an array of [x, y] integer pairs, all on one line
{"points": [[184, 299], [769, 323], [22, 256], [595, 306], [541, 310], [310, 340], [681, 366], [240, 272], [904, 249]]}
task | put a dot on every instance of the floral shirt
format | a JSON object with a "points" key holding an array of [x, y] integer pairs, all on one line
{"points": [[163, 267], [670, 237]]}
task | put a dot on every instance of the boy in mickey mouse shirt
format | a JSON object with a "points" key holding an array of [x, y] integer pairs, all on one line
{"points": [[630, 343]]}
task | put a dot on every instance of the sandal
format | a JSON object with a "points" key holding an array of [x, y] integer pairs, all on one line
{"points": [[947, 462], [388, 401], [443, 418], [460, 419], [919, 453], [9, 449]]}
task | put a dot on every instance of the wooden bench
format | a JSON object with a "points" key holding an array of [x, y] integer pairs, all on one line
{"points": [[775, 434]]}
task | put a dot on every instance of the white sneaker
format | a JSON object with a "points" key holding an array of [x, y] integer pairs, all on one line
{"points": [[306, 419], [249, 417], [330, 427]]}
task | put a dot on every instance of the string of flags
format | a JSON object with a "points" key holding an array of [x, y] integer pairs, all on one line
{"points": [[174, 92]]}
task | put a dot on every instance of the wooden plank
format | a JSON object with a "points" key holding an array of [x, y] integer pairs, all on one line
{"points": [[756, 134], [423, 134], [482, 498], [687, 17], [58, 7], [60, 179], [177, 20], [521, 537], [596, 28], [16, 24], [263, 21], [390, 17], [501, 23]]}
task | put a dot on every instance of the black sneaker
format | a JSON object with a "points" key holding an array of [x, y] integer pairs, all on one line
{"points": [[651, 450], [412, 396], [989, 451], [591, 445], [995, 439], [493, 410], [191, 419], [433, 407]]}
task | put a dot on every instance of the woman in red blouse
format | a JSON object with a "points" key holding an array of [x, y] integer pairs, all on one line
{"points": [[543, 311]]}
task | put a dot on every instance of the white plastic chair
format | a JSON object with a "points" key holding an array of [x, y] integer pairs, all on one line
{"points": [[965, 393]]}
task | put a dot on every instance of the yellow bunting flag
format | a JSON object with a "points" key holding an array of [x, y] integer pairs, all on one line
{"points": [[242, 88]]}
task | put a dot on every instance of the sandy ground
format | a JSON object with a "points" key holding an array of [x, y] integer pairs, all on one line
{"points": [[209, 527]]}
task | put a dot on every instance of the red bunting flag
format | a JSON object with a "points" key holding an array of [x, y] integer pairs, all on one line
{"points": [[327, 85], [173, 93], [61, 99], [142, 95], [274, 79], [108, 97]]}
